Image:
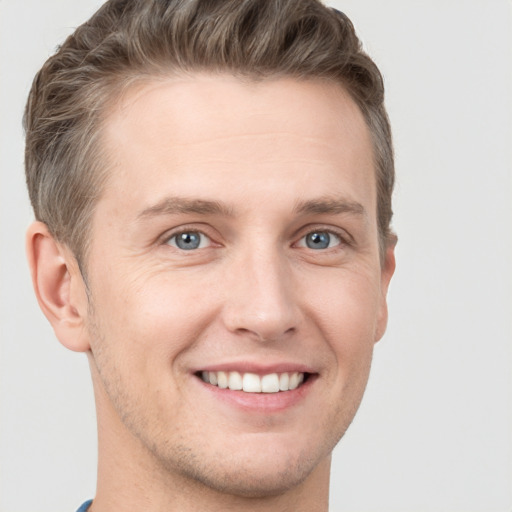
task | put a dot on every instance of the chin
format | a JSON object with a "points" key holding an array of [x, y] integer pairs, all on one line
{"points": [[258, 471], [253, 481]]}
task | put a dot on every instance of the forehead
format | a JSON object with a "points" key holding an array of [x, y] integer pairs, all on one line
{"points": [[201, 132]]}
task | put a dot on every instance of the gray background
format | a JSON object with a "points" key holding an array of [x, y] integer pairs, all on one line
{"points": [[434, 432]]}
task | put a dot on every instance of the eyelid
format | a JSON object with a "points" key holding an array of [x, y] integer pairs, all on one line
{"points": [[345, 237], [337, 242], [202, 244], [191, 228]]}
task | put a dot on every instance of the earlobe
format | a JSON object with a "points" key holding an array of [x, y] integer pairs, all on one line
{"points": [[58, 286], [388, 269]]}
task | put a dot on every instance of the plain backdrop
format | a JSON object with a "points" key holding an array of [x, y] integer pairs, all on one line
{"points": [[434, 432]]}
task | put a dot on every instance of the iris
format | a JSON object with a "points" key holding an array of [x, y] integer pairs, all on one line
{"points": [[188, 241], [318, 240]]}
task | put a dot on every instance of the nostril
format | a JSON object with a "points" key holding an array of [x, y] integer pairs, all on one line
{"points": [[265, 333]]}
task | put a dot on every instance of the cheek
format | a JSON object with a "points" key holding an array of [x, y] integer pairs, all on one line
{"points": [[153, 317], [346, 307], [346, 313]]}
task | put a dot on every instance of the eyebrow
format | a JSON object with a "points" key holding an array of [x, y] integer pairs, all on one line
{"points": [[180, 205], [332, 206], [176, 205]]}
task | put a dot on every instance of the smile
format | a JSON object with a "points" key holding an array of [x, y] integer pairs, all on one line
{"points": [[252, 382]]}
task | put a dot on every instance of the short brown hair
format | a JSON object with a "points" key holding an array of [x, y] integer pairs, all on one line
{"points": [[127, 40]]}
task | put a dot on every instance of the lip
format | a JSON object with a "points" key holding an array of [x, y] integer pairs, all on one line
{"points": [[258, 403], [258, 368]]}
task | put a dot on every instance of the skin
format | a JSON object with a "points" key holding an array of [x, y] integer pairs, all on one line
{"points": [[254, 168]]}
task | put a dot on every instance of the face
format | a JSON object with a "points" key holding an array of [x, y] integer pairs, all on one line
{"points": [[235, 285]]}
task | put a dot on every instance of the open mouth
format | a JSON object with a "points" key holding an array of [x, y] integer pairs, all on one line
{"points": [[254, 383]]}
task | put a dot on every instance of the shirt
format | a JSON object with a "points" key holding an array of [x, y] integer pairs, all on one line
{"points": [[85, 506]]}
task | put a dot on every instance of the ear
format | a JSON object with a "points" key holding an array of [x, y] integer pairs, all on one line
{"points": [[59, 287], [387, 271]]}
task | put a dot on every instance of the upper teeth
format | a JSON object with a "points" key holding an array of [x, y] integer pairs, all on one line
{"points": [[253, 383]]}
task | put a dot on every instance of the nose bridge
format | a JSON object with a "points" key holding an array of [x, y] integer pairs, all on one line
{"points": [[260, 297]]}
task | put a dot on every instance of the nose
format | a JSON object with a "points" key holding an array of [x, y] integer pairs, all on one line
{"points": [[260, 300]]}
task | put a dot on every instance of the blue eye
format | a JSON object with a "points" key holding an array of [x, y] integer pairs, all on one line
{"points": [[320, 240], [189, 240]]}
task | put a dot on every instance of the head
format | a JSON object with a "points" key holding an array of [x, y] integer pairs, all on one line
{"points": [[215, 180]]}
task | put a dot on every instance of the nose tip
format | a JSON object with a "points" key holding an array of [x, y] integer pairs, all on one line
{"points": [[260, 302]]}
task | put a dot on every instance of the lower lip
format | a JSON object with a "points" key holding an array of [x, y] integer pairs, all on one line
{"points": [[260, 402]]}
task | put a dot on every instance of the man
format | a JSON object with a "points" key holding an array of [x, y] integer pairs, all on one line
{"points": [[212, 186]]}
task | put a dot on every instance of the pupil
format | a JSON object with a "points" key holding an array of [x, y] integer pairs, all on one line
{"points": [[188, 241], [318, 240]]}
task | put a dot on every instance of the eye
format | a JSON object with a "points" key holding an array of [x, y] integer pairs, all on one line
{"points": [[189, 240], [320, 240]]}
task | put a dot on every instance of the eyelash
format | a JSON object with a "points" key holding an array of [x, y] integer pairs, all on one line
{"points": [[343, 239], [303, 240], [174, 237]]}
